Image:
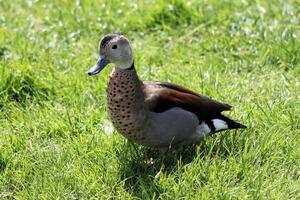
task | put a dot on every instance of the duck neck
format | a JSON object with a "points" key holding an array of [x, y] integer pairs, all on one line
{"points": [[126, 100]]}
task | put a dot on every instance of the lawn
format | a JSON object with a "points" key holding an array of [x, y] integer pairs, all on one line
{"points": [[56, 140]]}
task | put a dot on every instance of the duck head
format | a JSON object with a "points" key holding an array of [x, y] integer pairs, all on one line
{"points": [[113, 48]]}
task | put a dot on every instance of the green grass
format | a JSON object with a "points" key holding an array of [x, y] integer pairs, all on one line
{"points": [[55, 141]]}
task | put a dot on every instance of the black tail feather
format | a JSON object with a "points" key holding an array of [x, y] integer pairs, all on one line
{"points": [[231, 123], [220, 123]]}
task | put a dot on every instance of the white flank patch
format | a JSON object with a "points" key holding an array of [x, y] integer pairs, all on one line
{"points": [[203, 130], [219, 124]]}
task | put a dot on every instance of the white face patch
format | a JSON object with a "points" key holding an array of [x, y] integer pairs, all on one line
{"points": [[219, 124], [125, 64], [203, 130], [122, 55]]}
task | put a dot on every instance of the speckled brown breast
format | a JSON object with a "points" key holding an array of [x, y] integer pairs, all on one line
{"points": [[126, 103]]}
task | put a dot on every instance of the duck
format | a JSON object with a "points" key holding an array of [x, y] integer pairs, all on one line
{"points": [[155, 114]]}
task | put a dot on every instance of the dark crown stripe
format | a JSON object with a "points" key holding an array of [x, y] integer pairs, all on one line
{"points": [[107, 38]]}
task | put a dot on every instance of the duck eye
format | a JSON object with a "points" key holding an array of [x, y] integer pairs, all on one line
{"points": [[114, 46]]}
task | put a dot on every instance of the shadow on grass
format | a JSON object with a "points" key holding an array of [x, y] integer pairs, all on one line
{"points": [[23, 86], [140, 166], [3, 163]]}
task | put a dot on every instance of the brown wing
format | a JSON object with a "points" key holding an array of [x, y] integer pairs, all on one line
{"points": [[161, 96]]}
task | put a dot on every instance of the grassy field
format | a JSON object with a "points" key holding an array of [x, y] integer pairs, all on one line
{"points": [[56, 141]]}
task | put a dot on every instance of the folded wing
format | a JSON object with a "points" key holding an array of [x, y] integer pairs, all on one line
{"points": [[161, 96]]}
